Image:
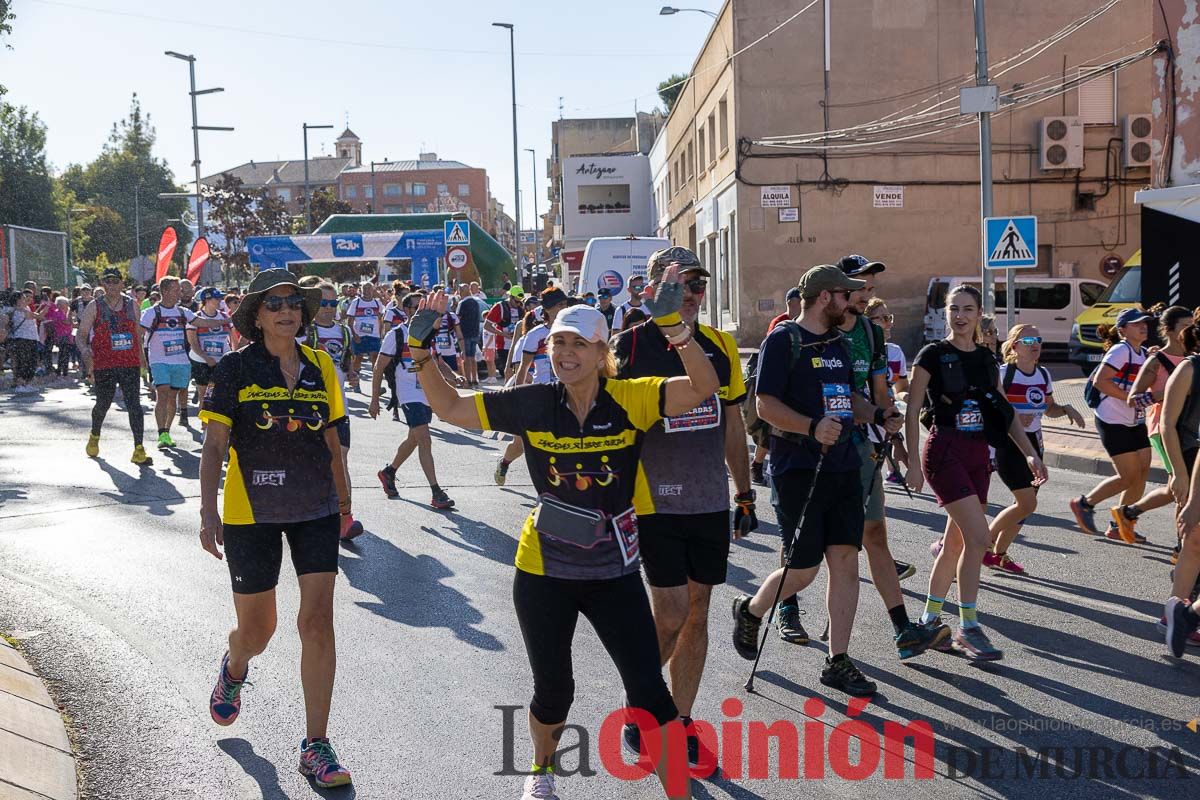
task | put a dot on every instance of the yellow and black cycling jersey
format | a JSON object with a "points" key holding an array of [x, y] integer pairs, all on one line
{"points": [[593, 466], [280, 468]]}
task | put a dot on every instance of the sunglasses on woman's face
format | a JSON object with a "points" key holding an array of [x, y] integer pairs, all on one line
{"points": [[274, 302], [884, 318], [1030, 340]]}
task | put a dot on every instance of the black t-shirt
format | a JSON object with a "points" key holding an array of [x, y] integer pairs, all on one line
{"points": [[978, 371], [608, 313], [469, 316], [815, 383]]}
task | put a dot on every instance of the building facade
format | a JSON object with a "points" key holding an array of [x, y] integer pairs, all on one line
{"points": [[759, 176]]}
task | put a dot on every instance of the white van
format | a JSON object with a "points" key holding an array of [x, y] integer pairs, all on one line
{"points": [[610, 261], [1049, 303]]}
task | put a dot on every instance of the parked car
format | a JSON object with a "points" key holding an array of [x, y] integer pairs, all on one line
{"points": [[1125, 291]]}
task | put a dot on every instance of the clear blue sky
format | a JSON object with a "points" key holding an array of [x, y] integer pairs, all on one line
{"points": [[411, 75]]}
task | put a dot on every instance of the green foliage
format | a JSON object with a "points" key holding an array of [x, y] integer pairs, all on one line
{"points": [[26, 189], [236, 213], [668, 90], [6, 18], [324, 205]]}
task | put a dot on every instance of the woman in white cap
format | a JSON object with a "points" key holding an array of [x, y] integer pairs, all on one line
{"points": [[578, 551]]}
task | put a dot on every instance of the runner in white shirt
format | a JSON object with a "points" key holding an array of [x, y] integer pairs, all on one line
{"points": [[533, 348], [364, 315], [635, 286], [417, 413], [206, 346]]}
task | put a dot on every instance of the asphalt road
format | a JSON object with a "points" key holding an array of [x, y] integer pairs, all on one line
{"points": [[121, 610]]}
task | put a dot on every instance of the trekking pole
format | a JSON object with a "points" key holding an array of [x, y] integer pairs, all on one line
{"points": [[786, 566]]}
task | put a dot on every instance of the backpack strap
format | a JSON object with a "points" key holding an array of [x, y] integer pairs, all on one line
{"points": [[1010, 375]]}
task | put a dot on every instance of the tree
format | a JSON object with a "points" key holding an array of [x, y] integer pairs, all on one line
{"points": [[105, 231], [26, 189], [6, 17], [324, 205], [669, 90], [235, 214]]}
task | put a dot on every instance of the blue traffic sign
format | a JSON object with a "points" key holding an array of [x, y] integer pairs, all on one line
{"points": [[457, 232], [1010, 242]]}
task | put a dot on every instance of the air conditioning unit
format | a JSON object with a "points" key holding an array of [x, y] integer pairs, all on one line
{"points": [[1061, 143], [1136, 151]]}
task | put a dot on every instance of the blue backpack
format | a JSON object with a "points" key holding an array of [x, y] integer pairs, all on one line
{"points": [[1091, 395]]}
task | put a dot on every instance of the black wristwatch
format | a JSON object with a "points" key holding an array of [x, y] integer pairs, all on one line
{"points": [[812, 425]]}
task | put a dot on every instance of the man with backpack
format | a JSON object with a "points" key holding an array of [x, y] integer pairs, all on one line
{"points": [[109, 343]]}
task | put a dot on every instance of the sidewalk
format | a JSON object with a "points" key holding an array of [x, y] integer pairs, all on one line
{"points": [[35, 755]]}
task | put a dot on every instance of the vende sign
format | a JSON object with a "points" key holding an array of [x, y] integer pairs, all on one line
{"points": [[888, 197], [776, 196]]}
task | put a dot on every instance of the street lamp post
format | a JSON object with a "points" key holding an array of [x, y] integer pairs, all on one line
{"points": [[70, 246], [512, 55], [307, 196], [667, 11], [537, 234], [374, 188], [196, 128]]}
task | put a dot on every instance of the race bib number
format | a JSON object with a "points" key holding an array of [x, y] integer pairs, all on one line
{"points": [[212, 347], [173, 347], [626, 527], [1139, 415], [121, 341], [443, 343], [970, 418], [704, 416], [366, 327], [837, 400]]}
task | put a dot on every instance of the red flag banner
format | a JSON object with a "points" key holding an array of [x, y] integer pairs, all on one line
{"points": [[166, 249], [197, 260]]}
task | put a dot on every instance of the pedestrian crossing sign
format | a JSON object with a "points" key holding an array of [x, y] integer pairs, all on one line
{"points": [[1010, 242], [457, 232]]}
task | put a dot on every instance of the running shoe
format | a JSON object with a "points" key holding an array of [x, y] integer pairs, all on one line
{"points": [[183, 418], [1124, 525], [631, 739], [694, 748], [904, 570], [787, 621], [1085, 516], [1175, 555], [974, 644], [501, 474], [1006, 564], [319, 762], [441, 500], [165, 440], [914, 639], [387, 476], [1181, 625], [225, 703], [351, 528], [395, 415], [841, 674], [895, 479], [139, 456], [93, 445], [935, 549], [757, 475], [1114, 533], [540, 787], [1193, 640], [745, 628]]}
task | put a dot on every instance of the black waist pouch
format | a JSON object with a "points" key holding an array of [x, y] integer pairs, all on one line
{"points": [[582, 527]]}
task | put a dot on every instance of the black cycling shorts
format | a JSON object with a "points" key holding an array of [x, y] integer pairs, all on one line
{"points": [[343, 431], [676, 547], [202, 373], [255, 552], [1121, 439], [834, 516], [1012, 466]]}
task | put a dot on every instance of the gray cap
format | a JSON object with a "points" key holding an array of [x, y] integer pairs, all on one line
{"points": [[827, 278], [685, 258]]}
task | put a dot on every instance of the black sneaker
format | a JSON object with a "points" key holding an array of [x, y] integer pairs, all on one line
{"points": [[183, 418], [840, 673], [756, 474], [745, 628], [631, 739], [693, 749], [904, 570], [1181, 622], [387, 477], [787, 621], [912, 640]]}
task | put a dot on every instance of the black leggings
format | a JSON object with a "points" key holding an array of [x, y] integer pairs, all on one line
{"points": [[390, 374], [548, 608], [106, 389], [24, 354]]}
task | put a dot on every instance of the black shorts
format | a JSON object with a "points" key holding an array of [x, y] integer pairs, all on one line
{"points": [[676, 547], [501, 359], [255, 552], [1121, 439], [834, 516], [343, 431], [1011, 464], [202, 373]]}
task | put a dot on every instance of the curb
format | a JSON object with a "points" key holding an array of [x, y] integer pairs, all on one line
{"points": [[1093, 465], [36, 760]]}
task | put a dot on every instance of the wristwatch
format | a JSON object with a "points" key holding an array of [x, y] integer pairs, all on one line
{"points": [[813, 422]]}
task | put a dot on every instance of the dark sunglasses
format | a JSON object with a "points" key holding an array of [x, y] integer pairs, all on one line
{"points": [[274, 302], [1030, 340], [329, 303], [888, 318], [696, 285], [845, 293]]}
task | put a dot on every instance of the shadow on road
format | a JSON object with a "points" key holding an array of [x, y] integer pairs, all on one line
{"points": [[266, 775], [149, 489], [411, 590]]}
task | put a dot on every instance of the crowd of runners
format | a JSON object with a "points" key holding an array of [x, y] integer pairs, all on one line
{"points": [[633, 421]]}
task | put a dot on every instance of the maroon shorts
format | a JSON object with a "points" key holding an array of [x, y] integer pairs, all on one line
{"points": [[956, 465]]}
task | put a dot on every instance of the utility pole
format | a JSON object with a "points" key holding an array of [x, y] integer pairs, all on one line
{"points": [[137, 219], [196, 128], [985, 165], [536, 231], [512, 54]]}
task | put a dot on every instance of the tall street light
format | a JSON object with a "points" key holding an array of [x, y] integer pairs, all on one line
{"points": [[537, 233], [667, 11], [70, 247], [196, 128], [307, 196], [512, 55]]}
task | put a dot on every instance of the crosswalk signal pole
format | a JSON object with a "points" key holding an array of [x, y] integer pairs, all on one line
{"points": [[985, 161]]}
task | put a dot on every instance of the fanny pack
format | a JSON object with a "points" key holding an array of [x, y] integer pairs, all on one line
{"points": [[586, 528]]}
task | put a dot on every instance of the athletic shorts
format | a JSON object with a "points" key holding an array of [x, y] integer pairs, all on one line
{"points": [[1012, 467], [1189, 456], [343, 431], [451, 362], [870, 475], [416, 414], [956, 465], [365, 345], [676, 547], [255, 552], [177, 376], [501, 359], [834, 515], [470, 346], [202, 373], [1121, 439]]}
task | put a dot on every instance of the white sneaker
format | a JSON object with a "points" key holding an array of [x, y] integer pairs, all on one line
{"points": [[540, 787]]}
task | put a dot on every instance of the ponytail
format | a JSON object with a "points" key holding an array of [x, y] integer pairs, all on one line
{"points": [[1191, 339], [1109, 335]]}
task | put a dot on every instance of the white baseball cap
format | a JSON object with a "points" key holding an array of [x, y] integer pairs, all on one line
{"points": [[583, 320]]}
